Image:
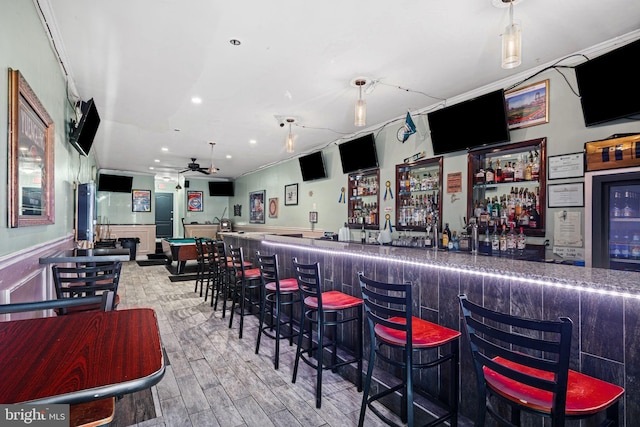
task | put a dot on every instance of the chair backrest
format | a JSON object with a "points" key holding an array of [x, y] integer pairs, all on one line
{"points": [[498, 339], [75, 282], [200, 248], [386, 303], [105, 300], [220, 254], [309, 281], [268, 265], [237, 261]]}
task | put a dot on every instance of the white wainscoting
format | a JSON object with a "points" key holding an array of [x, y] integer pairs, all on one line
{"points": [[146, 234]]}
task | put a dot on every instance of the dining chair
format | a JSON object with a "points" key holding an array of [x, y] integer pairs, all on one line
{"points": [[74, 282], [402, 340], [524, 363], [326, 310]]}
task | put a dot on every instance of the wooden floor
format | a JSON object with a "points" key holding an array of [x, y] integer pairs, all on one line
{"points": [[216, 379]]}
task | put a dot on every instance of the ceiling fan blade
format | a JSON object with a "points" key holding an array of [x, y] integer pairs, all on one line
{"points": [[186, 170], [204, 171]]}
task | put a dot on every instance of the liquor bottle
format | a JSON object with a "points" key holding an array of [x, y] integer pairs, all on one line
{"points": [[454, 243], [503, 240], [495, 240], [518, 171], [512, 241], [479, 176], [534, 216], [485, 247], [489, 176], [535, 168], [528, 170], [446, 236], [522, 241], [363, 235], [498, 172]]}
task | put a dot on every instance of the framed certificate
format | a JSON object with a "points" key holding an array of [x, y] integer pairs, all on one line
{"points": [[566, 195], [566, 166]]}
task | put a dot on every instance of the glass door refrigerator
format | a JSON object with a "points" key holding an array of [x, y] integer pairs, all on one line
{"points": [[612, 204]]}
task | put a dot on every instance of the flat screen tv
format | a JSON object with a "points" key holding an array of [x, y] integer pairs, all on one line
{"points": [[358, 154], [469, 124], [221, 188], [115, 183], [312, 166], [82, 133], [609, 85]]}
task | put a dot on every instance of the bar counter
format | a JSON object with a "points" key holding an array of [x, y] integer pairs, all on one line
{"points": [[603, 304]]}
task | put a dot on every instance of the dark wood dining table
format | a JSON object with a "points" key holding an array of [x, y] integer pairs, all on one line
{"points": [[79, 358]]}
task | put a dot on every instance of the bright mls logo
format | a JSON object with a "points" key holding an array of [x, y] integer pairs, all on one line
{"points": [[34, 415]]}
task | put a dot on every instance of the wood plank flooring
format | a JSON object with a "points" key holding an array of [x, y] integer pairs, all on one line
{"points": [[216, 379]]}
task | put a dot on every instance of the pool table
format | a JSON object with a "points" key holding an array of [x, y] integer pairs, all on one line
{"points": [[180, 250]]}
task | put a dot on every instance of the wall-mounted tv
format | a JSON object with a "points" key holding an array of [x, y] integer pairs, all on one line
{"points": [[469, 124], [609, 85], [221, 188], [312, 166], [115, 183], [358, 154], [81, 134]]}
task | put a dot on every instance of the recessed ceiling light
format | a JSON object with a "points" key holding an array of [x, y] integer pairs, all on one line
{"points": [[156, 160], [196, 100], [253, 141], [235, 42], [151, 167], [164, 149], [228, 156]]}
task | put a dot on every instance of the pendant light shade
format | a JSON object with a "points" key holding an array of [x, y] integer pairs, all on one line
{"points": [[289, 142], [511, 43], [361, 106]]}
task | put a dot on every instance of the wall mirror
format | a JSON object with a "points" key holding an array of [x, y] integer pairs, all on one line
{"points": [[31, 143]]}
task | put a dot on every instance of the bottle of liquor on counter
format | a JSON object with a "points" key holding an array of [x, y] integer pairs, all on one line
{"points": [[363, 235], [495, 240], [446, 236], [522, 241], [512, 241], [503, 240]]}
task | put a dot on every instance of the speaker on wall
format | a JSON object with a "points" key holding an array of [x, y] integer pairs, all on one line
{"points": [[186, 183]]}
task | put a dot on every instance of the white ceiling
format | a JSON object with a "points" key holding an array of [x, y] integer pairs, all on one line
{"points": [[143, 61]]}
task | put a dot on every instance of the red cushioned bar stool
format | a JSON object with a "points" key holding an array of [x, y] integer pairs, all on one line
{"points": [[392, 327], [278, 294], [326, 310], [245, 281], [525, 363]]}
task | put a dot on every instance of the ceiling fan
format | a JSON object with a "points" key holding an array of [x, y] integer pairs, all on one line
{"points": [[195, 167]]}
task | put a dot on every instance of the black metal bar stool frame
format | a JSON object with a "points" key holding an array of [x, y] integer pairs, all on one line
{"points": [[245, 281], [274, 301], [325, 317], [389, 313]]}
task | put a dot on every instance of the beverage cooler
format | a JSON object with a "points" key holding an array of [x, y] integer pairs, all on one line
{"points": [[612, 204]]}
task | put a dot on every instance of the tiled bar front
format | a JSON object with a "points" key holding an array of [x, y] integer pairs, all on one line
{"points": [[603, 304]]}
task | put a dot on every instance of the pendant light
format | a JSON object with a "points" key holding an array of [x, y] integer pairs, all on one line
{"points": [[511, 43], [212, 169], [290, 138], [361, 105]]}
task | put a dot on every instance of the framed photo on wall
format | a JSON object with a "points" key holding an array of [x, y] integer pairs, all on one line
{"points": [[291, 194], [141, 200], [256, 207], [194, 201], [528, 106], [273, 207]]}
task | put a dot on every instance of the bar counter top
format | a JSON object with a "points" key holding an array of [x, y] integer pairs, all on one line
{"points": [[625, 283]]}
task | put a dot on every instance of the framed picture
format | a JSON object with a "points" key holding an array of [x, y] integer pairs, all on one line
{"points": [[141, 200], [566, 166], [528, 106], [273, 207], [566, 195], [291, 194], [194, 201], [31, 143], [256, 207], [313, 217]]}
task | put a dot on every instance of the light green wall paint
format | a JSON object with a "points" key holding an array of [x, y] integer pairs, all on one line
{"points": [[24, 46]]}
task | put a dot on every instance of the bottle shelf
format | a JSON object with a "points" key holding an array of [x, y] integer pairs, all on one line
{"points": [[418, 190]]}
